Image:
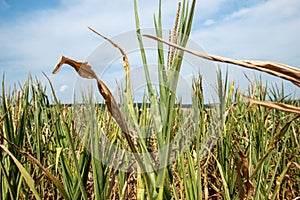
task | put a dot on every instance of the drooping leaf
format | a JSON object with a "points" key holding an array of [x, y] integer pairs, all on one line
{"points": [[277, 69], [275, 105]]}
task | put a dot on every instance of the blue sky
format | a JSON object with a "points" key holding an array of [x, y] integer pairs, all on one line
{"points": [[35, 33], [14, 9]]}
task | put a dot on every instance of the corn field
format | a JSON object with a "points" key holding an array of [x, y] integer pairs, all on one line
{"points": [[253, 150]]}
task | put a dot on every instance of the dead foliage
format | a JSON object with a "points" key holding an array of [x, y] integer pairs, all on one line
{"points": [[277, 69], [275, 105]]}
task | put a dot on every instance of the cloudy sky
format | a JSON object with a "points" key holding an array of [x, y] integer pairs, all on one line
{"points": [[35, 33]]}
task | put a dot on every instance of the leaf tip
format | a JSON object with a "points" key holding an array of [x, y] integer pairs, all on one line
{"points": [[58, 65]]}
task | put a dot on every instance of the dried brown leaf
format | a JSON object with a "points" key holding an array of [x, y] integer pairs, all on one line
{"points": [[275, 105], [86, 71], [82, 68], [277, 69]]}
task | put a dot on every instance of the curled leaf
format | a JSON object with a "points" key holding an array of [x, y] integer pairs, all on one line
{"points": [[86, 71], [83, 68]]}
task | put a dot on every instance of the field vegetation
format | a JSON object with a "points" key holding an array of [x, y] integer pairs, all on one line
{"points": [[244, 147]]}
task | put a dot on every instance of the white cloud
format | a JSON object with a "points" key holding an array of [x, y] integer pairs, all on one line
{"points": [[63, 88], [209, 22]]}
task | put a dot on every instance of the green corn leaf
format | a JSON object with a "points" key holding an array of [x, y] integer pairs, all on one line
{"points": [[23, 171]]}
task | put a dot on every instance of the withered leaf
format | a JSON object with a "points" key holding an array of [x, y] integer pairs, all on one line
{"points": [[86, 71], [82, 68], [277, 69], [275, 105]]}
